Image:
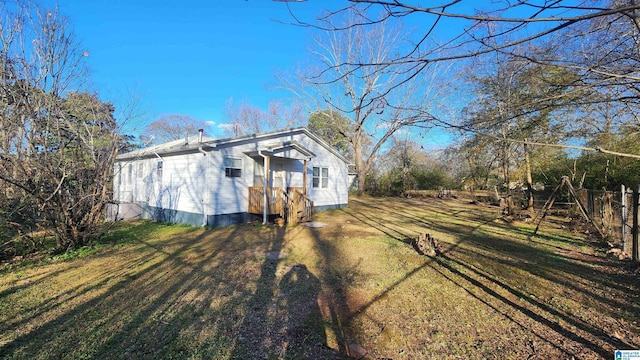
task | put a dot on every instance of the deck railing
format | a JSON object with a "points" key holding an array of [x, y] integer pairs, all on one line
{"points": [[275, 201], [299, 206], [292, 205]]}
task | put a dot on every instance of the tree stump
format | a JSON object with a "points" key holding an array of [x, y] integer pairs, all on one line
{"points": [[425, 244]]}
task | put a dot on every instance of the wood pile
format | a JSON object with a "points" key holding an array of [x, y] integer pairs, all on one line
{"points": [[427, 245]]}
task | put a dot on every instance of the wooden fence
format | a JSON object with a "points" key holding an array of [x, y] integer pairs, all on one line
{"points": [[630, 216], [615, 212]]}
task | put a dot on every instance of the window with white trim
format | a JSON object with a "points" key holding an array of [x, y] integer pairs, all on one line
{"points": [[320, 177], [232, 167], [258, 174]]}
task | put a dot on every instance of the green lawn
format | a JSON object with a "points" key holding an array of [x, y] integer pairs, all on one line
{"points": [[177, 292]]}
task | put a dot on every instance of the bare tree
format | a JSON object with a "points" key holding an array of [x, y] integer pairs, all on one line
{"points": [[379, 100], [57, 146], [245, 118], [173, 127], [519, 23], [598, 40]]}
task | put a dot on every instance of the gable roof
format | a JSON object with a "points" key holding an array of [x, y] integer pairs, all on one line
{"points": [[182, 147]]}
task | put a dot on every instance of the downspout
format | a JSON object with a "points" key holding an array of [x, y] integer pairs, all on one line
{"points": [[204, 211], [204, 208], [160, 188], [264, 188]]}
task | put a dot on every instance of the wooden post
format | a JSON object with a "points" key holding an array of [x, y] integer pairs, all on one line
{"points": [[267, 181], [566, 182], [635, 249], [623, 209], [547, 205], [304, 177], [582, 208], [527, 162]]}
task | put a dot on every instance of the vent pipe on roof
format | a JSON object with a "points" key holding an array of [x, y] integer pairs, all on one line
{"points": [[186, 138], [200, 131]]}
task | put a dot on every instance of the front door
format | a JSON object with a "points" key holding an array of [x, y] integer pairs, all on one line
{"points": [[258, 172], [278, 175]]}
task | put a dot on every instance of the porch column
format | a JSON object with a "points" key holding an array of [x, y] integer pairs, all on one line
{"points": [[304, 177], [265, 187], [267, 182]]}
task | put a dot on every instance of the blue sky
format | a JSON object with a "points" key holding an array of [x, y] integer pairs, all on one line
{"points": [[189, 57]]}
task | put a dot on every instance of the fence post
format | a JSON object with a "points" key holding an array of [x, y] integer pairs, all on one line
{"points": [[623, 209], [635, 249]]}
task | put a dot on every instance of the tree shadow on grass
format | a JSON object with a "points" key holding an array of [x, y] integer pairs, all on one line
{"points": [[480, 241], [191, 295], [151, 306], [282, 318], [204, 297], [60, 332], [550, 320]]}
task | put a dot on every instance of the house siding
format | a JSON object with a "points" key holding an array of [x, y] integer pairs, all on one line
{"points": [[336, 194], [194, 188]]}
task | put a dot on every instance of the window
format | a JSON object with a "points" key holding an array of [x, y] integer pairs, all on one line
{"points": [[320, 177], [232, 167], [129, 174], [258, 174], [119, 172], [278, 175], [159, 170]]}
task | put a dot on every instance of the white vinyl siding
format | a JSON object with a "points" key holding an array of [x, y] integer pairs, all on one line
{"points": [[198, 184]]}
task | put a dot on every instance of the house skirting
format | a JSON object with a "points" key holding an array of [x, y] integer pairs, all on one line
{"points": [[125, 211], [329, 207]]}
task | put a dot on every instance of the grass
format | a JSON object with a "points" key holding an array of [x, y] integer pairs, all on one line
{"points": [[175, 292]]}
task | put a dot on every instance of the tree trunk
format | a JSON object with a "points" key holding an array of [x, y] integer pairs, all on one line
{"points": [[507, 178], [360, 164], [527, 162]]}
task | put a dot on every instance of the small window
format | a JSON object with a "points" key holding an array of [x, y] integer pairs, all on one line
{"points": [[232, 167], [129, 173], [320, 177], [159, 170], [258, 174]]}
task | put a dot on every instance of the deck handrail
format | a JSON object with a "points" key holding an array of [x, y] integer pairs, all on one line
{"points": [[292, 205]]}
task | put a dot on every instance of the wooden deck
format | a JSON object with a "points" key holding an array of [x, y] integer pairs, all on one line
{"points": [[292, 205]]}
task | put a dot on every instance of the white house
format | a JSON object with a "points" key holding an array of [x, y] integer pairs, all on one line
{"points": [[217, 182]]}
